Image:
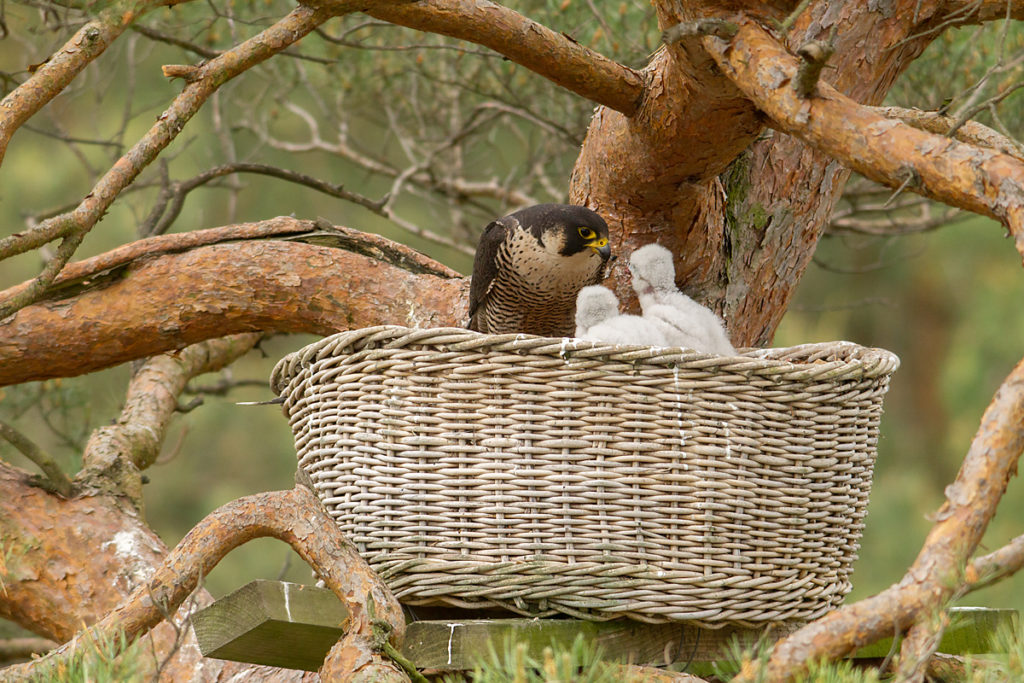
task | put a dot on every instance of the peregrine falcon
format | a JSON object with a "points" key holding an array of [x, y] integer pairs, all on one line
{"points": [[531, 264]]}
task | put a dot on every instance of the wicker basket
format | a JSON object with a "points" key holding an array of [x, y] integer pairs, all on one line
{"points": [[556, 475]]}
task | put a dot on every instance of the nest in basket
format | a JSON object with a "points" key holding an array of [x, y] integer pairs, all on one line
{"points": [[550, 475]]}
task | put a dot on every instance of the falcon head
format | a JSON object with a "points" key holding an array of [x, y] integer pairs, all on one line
{"points": [[531, 264], [652, 270], [565, 229]]}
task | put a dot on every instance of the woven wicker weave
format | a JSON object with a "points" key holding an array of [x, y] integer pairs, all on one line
{"points": [[550, 475]]}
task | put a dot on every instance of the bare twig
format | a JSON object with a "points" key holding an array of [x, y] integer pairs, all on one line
{"points": [[43, 460], [177, 191], [788, 22]]}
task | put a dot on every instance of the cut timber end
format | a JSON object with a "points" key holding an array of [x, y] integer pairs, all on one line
{"points": [[274, 623], [293, 626]]}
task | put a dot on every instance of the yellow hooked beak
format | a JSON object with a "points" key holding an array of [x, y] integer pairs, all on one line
{"points": [[600, 246]]}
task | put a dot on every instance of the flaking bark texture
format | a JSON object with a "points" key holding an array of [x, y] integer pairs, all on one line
{"points": [[742, 207], [166, 299], [69, 562]]}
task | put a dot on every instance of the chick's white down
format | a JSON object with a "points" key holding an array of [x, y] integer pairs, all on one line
{"points": [[598, 319], [684, 322]]}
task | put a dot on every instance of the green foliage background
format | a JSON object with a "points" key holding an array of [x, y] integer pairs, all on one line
{"points": [[949, 302]]}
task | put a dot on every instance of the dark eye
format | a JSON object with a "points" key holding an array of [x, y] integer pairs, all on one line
{"points": [[586, 233]]}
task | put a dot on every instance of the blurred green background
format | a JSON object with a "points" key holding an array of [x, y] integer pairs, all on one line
{"points": [[949, 302]]}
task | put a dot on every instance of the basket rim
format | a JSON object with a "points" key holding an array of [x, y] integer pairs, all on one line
{"points": [[803, 362]]}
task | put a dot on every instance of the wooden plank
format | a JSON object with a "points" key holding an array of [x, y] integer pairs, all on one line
{"points": [[271, 622], [293, 626], [970, 632], [257, 624], [459, 645]]}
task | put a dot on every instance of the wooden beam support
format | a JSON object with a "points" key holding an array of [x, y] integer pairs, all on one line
{"points": [[293, 626]]}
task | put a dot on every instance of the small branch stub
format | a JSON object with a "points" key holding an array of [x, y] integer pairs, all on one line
{"points": [[702, 27], [815, 55], [187, 71]]}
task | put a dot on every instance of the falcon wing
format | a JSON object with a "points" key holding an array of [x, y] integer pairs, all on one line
{"points": [[485, 265]]}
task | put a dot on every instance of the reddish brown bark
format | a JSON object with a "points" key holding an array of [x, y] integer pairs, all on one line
{"points": [[160, 586], [66, 563], [167, 302], [886, 150], [938, 571]]}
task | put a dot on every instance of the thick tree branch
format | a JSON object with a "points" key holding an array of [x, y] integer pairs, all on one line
{"points": [[73, 225], [115, 454], [138, 308], [938, 572], [890, 152], [971, 132], [553, 55], [295, 517]]}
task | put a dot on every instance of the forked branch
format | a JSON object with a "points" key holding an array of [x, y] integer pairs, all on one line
{"points": [[72, 226], [60, 69], [885, 150], [295, 517]]}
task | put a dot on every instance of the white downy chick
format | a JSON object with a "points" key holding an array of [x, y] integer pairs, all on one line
{"points": [[598, 319], [687, 323]]}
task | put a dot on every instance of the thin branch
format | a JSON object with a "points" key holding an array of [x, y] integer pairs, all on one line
{"points": [[788, 22], [963, 12], [553, 55], [989, 569], [63, 66], [295, 517], [43, 460], [979, 180], [153, 34], [938, 572], [152, 400], [177, 191], [74, 225]]}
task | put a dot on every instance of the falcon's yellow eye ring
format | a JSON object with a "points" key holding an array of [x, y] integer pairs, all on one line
{"points": [[586, 233]]}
